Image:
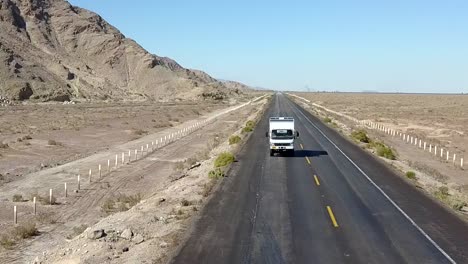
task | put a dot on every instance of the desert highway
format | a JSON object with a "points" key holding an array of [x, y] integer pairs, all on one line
{"points": [[331, 203]]}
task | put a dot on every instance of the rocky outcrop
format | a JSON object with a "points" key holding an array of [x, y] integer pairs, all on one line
{"points": [[51, 50]]}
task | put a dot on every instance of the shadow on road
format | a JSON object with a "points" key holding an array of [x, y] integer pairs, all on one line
{"points": [[304, 153], [309, 153]]}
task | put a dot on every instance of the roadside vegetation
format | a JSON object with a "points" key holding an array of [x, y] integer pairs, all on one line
{"points": [[411, 175], [380, 148], [234, 139], [249, 127], [327, 120], [14, 235], [120, 203]]}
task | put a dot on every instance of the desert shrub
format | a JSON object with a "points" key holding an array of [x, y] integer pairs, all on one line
{"points": [[249, 126], [27, 137], [128, 201], [442, 193], [382, 150], [216, 174], [17, 198], [411, 175], [22, 231], [360, 135], [25, 230], [3, 145], [52, 142], [207, 188], [7, 241], [386, 152], [224, 159], [179, 166], [185, 202], [327, 120], [459, 205], [140, 132], [444, 190], [234, 139], [108, 206], [46, 218]]}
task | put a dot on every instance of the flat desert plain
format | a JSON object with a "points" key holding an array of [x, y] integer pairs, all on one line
{"points": [[441, 119]]}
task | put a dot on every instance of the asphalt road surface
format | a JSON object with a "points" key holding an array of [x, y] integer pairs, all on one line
{"points": [[330, 203]]}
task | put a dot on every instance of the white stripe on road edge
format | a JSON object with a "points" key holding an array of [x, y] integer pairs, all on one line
{"points": [[383, 193]]}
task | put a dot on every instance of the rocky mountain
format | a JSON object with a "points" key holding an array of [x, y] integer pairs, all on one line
{"points": [[51, 50]]}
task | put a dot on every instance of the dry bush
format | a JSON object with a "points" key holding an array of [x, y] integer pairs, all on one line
{"points": [[140, 132], [22, 231], [4, 145], [17, 198], [208, 188], [185, 202], [52, 142], [120, 203], [46, 218]]}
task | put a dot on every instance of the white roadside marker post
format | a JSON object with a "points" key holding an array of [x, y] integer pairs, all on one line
{"points": [[441, 152], [123, 158], [129, 156], [447, 155], [116, 160], [108, 165], [420, 143], [435, 150], [152, 146], [66, 193], [136, 154], [78, 187], [90, 174], [34, 205], [15, 219], [100, 172], [424, 146], [454, 158], [461, 163], [50, 196], [147, 148]]}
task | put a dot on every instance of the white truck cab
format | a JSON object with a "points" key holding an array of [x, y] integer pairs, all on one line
{"points": [[282, 134]]}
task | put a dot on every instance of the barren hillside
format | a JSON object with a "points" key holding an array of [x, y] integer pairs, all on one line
{"points": [[51, 50]]}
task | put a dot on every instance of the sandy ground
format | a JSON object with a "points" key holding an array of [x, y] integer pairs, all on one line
{"points": [[79, 131], [161, 179], [441, 119], [442, 123]]}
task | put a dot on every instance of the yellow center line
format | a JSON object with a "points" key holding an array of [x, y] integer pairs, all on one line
{"points": [[308, 161], [316, 180], [332, 216], [302, 147]]}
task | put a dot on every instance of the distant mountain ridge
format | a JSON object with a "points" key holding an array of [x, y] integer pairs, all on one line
{"points": [[51, 50]]}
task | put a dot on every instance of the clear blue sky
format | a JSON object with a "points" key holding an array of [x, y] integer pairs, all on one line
{"points": [[388, 46]]}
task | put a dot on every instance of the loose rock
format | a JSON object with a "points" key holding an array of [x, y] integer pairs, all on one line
{"points": [[138, 239], [127, 234], [96, 234]]}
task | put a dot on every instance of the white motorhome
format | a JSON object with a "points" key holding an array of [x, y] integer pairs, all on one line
{"points": [[282, 134]]}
